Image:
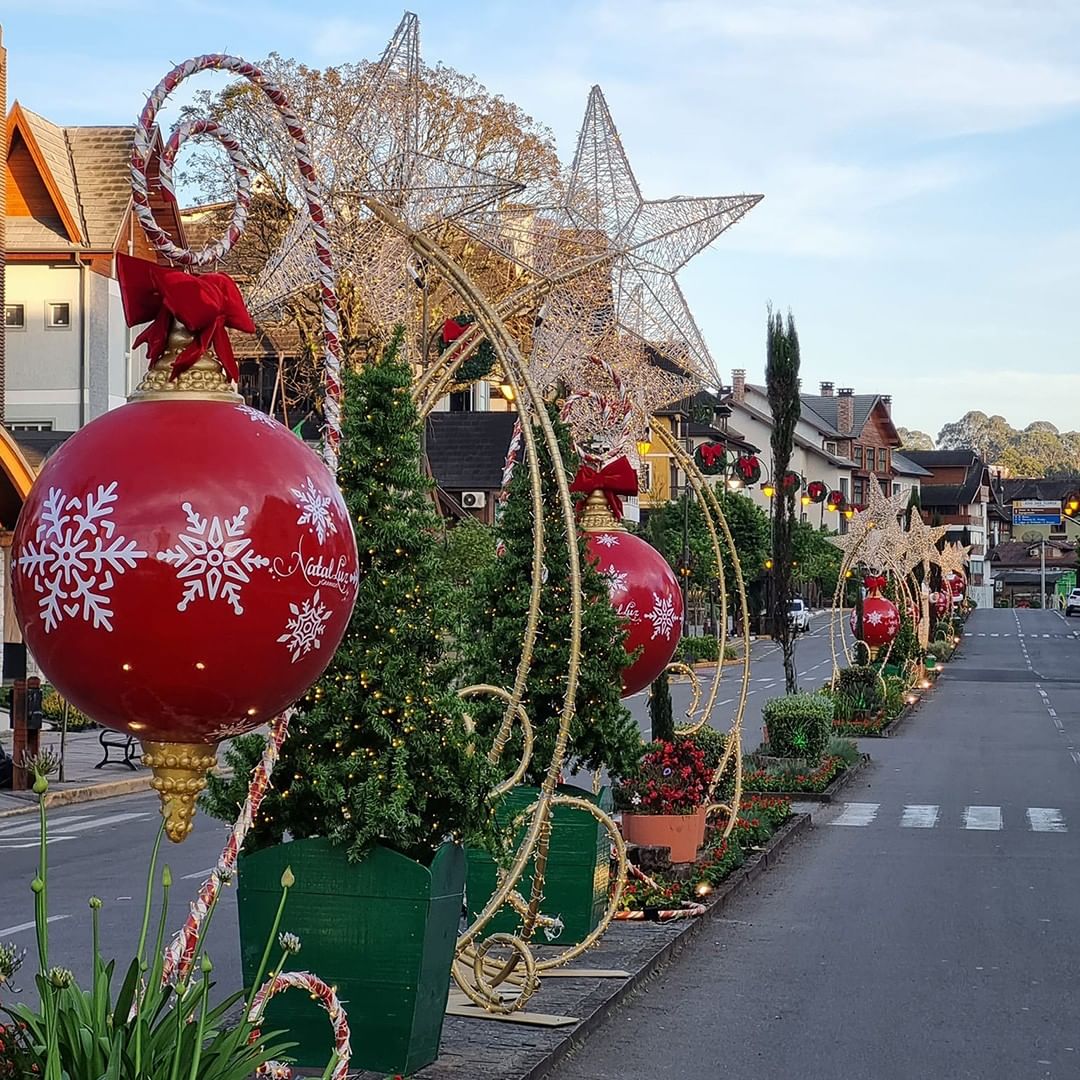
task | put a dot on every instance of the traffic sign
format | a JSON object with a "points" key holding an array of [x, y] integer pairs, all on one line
{"points": [[1036, 512]]}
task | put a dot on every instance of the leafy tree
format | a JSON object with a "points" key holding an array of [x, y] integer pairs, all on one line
{"points": [[379, 750], [661, 714], [816, 560], [914, 439], [986, 435], [782, 387], [603, 733]]}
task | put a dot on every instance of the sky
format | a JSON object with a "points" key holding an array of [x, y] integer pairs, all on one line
{"points": [[919, 159]]}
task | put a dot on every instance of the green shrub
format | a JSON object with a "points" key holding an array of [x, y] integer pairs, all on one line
{"points": [[846, 750], [861, 685], [695, 650], [660, 715], [799, 725], [52, 706], [939, 650], [895, 696], [712, 744]]}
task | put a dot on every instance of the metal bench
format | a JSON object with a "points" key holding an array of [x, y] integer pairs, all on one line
{"points": [[114, 740]]}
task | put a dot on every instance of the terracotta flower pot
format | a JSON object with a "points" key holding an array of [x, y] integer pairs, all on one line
{"points": [[682, 833]]}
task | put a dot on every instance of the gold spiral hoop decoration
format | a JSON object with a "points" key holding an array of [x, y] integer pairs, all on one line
{"points": [[502, 736], [475, 972], [677, 667], [722, 541]]}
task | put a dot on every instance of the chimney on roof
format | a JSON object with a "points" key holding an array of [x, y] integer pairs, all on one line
{"points": [[845, 410], [738, 384], [886, 400], [826, 389]]}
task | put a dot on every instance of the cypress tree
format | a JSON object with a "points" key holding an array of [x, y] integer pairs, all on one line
{"points": [[661, 714]]}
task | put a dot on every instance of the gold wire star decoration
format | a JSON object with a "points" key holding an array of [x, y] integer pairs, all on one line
{"points": [[954, 558], [875, 536], [922, 543]]}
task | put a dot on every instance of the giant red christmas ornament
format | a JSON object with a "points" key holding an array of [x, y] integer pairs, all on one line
{"points": [[956, 584], [643, 589], [880, 619], [184, 567], [942, 601]]}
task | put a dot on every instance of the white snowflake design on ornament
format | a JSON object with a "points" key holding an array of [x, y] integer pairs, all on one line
{"points": [[74, 556], [303, 630], [662, 616], [257, 417], [608, 540], [214, 558], [314, 509], [616, 581], [874, 618]]}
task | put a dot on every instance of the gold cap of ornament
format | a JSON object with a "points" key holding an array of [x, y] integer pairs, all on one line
{"points": [[205, 380], [179, 776], [597, 515]]}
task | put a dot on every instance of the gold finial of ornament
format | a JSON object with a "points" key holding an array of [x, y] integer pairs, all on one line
{"points": [[597, 515], [179, 777], [205, 380]]}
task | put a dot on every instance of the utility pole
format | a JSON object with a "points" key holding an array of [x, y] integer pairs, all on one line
{"points": [[1042, 571]]}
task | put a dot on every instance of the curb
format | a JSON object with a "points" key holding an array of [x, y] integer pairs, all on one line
{"points": [[744, 876], [87, 793]]}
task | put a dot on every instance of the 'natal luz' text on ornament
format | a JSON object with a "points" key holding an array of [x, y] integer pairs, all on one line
{"points": [[318, 571]]}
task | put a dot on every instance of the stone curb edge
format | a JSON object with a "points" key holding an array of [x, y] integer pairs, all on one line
{"points": [[744, 876], [88, 793]]}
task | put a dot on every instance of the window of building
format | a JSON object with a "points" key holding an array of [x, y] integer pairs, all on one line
{"points": [[830, 448], [57, 315], [31, 425], [882, 459], [895, 489], [857, 454], [14, 316], [859, 491], [844, 486]]}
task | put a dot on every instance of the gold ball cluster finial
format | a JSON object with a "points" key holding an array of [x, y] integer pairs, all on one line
{"points": [[179, 777], [205, 380]]}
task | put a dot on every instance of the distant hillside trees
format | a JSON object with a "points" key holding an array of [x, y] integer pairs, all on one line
{"points": [[1037, 450]]}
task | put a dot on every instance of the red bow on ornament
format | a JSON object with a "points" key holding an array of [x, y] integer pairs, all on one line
{"points": [[874, 583], [207, 304], [613, 480]]}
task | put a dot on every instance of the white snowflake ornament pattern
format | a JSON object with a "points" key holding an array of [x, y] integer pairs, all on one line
{"points": [[303, 630], [75, 556], [257, 417], [662, 616], [607, 540], [616, 580], [214, 558], [314, 509]]}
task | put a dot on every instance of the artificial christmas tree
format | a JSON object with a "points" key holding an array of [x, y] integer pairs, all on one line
{"points": [[379, 779]]}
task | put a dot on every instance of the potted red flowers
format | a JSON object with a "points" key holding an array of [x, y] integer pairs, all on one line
{"points": [[663, 803]]}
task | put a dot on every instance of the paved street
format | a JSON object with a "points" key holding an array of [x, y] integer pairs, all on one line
{"points": [[927, 928], [813, 658]]}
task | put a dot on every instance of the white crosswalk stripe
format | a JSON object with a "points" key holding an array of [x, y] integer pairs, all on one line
{"points": [[24, 835], [857, 813], [1045, 819], [985, 818], [929, 816], [920, 817]]}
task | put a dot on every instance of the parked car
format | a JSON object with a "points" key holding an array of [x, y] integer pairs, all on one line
{"points": [[1073, 602], [799, 615]]}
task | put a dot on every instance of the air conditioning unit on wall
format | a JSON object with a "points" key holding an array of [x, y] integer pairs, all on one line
{"points": [[474, 500]]}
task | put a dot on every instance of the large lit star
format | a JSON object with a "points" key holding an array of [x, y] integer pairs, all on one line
{"points": [[874, 535]]}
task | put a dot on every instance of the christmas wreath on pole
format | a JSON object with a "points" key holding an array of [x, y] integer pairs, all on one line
{"points": [[748, 469], [711, 458], [817, 491], [480, 363], [790, 482], [837, 500]]}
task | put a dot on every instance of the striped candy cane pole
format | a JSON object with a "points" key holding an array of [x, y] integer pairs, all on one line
{"points": [[327, 998], [141, 156], [180, 953]]}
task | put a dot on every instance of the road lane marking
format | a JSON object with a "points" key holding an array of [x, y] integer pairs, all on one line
{"points": [[857, 813], [9, 930], [15, 845], [1046, 819], [984, 818], [920, 817], [35, 825]]}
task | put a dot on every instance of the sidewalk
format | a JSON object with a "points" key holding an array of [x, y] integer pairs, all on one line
{"points": [[82, 782]]}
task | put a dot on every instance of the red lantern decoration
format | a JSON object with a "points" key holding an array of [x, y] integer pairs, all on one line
{"points": [[183, 570], [880, 619], [643, 589]]}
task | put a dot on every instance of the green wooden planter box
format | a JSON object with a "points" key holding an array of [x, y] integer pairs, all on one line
{"points": [[893, 669], [931, 662], [382, 931], [578, 869]]}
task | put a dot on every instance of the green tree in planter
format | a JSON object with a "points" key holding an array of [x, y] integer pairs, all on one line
{"points": [[379, 751], [602, 733], [661, 714]]}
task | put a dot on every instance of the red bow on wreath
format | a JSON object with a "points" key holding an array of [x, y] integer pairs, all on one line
{"points": [[711, 454], [613, 480], [874, 583], [207, 304], [748, 466], [452, 330]]}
